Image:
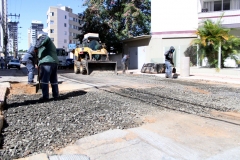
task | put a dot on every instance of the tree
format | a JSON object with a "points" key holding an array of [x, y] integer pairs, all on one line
{"points": [[215, 40], [116, 20]]}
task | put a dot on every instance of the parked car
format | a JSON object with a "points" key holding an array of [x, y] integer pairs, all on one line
{"points": [[69, 63], [14, 63]]}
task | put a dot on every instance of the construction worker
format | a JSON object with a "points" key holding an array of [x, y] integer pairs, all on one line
{"points": [[29, 60], [124, 63], [48, 64], [169, 62], [2, 62]]}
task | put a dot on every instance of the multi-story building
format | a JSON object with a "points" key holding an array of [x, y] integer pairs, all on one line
{"points": [[62, 26], [36, 26], [13, 37]]}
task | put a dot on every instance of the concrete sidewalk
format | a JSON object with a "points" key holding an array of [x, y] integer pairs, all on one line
{"points": [[230, 75]]}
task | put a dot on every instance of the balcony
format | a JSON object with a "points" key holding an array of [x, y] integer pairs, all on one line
{"points": [[229, 9]]}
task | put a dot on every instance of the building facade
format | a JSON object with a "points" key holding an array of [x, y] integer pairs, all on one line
{"points": [[229, 10], [174, 23], [36, 26], [62, 26]]}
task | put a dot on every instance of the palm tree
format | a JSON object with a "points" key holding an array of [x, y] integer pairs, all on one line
{"points": [[211, 37]]}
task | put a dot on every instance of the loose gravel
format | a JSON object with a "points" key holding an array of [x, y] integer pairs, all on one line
{"points": [[35, 127]]}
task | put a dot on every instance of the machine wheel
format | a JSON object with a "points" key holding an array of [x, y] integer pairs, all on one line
{"points": [[84, 67], [76, 69]]}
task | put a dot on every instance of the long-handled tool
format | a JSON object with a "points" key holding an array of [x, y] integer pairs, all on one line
{"points": [[38, 86]]}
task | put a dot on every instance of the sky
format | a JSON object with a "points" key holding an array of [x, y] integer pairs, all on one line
{"points": [[30, 10]]}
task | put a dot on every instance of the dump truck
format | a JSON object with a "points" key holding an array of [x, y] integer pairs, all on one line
{"points": [[92, 55]]}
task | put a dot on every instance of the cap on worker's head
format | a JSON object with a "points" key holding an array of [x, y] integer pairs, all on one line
{"points": [[172, 48], [40, 33]]}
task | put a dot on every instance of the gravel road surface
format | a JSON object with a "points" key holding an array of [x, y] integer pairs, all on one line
{"points": [[113, 102]]}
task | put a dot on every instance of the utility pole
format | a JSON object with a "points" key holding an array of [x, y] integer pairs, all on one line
{"points": [[5, 31]]}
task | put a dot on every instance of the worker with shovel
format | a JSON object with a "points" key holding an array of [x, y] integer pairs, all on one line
{"points": [[169, 62], [47, 64]]}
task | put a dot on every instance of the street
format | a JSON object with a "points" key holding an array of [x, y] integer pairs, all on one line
{"points": [[107, 116]]}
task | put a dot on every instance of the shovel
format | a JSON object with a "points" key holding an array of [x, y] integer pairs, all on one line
{"points": [[38, 86]]}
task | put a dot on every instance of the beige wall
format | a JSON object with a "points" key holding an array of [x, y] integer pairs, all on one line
{"points": [[156, 47], [137, 43], [180, 45]]}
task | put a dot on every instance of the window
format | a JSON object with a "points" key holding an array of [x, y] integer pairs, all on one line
{"points": [[65, 41], [220, 5], [226, 5], [65, 17], [65, 32], [51, 13], [65, 25], [51, 22], [51, 30], [70, 41], [217, 5]]}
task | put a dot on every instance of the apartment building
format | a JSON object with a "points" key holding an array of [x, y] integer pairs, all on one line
{"points": [[62, 26], [13, 37], [174, 23], [36, 26]]}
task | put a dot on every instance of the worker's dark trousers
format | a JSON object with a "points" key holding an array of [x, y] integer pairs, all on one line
{"points": [[168, 69], [48, 72], [30, 67]]}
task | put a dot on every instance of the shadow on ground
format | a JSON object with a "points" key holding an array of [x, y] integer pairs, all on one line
{"points": [[36, 100]]}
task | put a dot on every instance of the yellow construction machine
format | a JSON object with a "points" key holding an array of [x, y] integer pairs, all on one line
{"points": [[92, 55]]}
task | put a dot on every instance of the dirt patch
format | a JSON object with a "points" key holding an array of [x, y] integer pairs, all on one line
{"points": [[149, 119], [196, 90], [234, 116], [22, 88]]}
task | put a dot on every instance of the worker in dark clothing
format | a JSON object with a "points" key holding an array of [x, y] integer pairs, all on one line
{"points": [[169, 62], [48, 64], [2, 62], [124, 63], [29, 60]]}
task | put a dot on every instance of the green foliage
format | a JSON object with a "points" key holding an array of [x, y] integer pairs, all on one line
{"points": [[191, 52], [211, 35], [116, 20]]}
